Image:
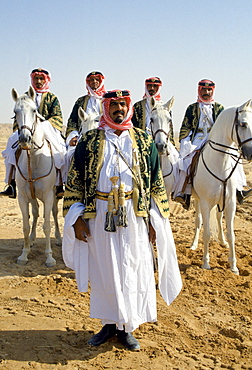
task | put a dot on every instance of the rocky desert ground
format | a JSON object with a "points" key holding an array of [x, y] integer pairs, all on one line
{"points": [[45, 321]]}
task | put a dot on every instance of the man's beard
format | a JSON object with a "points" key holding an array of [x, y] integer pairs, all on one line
{"points": [[118, 119]]}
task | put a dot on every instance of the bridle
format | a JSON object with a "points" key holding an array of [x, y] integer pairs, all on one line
{"points": [[35, 147], [235, 157], [167, 139], [32, 131], [235, 125]]}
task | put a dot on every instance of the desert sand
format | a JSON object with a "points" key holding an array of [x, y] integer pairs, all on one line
{"points": [[45, 321]]}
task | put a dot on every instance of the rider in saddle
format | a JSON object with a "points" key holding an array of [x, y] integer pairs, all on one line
{"points": [[142, 108], [91, 103], [197, 123], [49, 107]]}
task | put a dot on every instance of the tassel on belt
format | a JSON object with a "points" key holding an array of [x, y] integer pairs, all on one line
{"points": [[104, 196]]}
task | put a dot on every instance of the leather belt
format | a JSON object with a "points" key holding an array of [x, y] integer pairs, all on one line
{"points": [[104, 196]]}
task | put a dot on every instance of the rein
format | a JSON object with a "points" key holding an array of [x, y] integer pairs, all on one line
{"points": [[30, 180], [171, 171], [236, 158], [32, 130], [167, 138], [228, 177], [35, 147]]}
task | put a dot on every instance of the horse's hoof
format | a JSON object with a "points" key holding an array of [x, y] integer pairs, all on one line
{"points": [[193, 247], [21, 262], [225, 245], [206, 266], [235, 271], [50, 264]]}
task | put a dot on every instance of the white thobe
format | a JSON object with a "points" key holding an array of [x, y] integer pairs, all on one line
{"points": [[119, 265], [93, 106], [52, 135], [188, 148]]}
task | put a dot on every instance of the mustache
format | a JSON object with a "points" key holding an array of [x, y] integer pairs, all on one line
{"points": [[119, 111]]}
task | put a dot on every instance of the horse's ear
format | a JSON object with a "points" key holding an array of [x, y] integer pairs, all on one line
{"points": [[246, 105], [169, 104], [31, 93], [153, 102], [14, 94], [82, 114]]}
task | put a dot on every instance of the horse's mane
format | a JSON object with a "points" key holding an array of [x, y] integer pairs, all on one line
{"points": [[226, 117]]}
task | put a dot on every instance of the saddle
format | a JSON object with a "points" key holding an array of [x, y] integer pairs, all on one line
{"points": [[192, 169]]}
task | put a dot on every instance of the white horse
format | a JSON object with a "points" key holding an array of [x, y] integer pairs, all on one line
{"points": [[35, 174], [89, 121], [161, 121], [214, 183]]}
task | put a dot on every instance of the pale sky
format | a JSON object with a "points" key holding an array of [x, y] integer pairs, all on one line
{"points": [[128, 41]]}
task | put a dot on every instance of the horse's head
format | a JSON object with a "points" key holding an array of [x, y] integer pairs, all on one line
{"points": [[26, 116], [243, 126], [89, 121], [161, 121]]}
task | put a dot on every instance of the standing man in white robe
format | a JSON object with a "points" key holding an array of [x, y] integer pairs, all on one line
{"points": [[115, 205]]}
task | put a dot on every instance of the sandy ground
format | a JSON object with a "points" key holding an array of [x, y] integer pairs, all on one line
{"points": [[45, 322]]}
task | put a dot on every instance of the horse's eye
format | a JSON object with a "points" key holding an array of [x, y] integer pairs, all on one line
{"points": [[244, 124]]}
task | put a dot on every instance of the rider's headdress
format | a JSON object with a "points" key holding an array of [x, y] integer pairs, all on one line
{"points": [[47, 77], [155, 81], [203, 84], [126, 124], [98, 93]]}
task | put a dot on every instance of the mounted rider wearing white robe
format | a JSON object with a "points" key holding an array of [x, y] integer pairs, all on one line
{"points": [[197, 123], [49, 107]]}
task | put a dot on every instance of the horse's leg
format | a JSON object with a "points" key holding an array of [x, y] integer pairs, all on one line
{"points": [[35, 214], [221, 236], [48, 204], [206, 234], [229, 215], [198, 223], [56, 224], [24, 206]]}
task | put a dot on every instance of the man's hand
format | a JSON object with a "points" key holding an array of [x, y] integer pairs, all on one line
{"points": [[73, 141], [152, 234], [81, 229]]}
